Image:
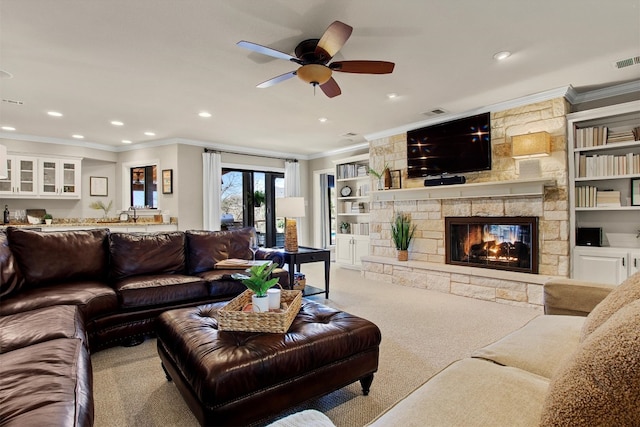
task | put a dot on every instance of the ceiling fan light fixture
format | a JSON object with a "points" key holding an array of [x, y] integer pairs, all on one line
{"points": [[314, 74]]}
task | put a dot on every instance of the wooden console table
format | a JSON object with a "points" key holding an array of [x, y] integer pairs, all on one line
{"points": [[305, 255]]}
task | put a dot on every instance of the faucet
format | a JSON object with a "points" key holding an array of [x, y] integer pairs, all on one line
{"points": [[135, 215]]}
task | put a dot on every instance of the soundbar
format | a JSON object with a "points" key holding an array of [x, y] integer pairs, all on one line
{"points": [[449, 180]]}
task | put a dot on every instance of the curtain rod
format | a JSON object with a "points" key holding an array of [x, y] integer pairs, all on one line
{"points": [[211, 150]]}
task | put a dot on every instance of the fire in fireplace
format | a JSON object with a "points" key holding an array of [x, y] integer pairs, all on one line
{"points": [[503, 243]]}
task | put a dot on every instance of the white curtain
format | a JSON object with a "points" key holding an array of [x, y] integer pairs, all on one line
{"points": [[212, 182], [291, 179]]}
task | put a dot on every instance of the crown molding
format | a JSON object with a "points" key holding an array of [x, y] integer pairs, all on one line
{"points": [[605, 92], [58, 141], [500, 106], [339, 151]]}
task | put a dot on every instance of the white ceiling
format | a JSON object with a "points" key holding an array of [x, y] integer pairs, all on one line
{"points": [[154, 64]]}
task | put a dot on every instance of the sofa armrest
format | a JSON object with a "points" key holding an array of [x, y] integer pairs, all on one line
{"points": [[573, 297], [274, 255]]}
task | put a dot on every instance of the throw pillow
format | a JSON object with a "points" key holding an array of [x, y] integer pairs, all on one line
{"points": [[622, 295], [599, 385]]}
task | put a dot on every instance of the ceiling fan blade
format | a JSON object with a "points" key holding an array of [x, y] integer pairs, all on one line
{"points": [[363, 67], [331, 88], [275, 80], [265, 50], [333, 39]]}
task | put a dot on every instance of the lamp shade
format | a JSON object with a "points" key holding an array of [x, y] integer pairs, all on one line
{"points": [[315, 74], [290, 207], [531, 145], [4, 172]]}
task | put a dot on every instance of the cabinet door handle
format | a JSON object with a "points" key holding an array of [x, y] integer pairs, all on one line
{"points": [[635, 262], [623, 262]]}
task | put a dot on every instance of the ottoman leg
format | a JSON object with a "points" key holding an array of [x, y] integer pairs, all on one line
{"points": [[166, 373], [366, 384]]}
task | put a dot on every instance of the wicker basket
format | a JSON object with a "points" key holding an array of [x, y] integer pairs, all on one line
{"points": [[232, 318]]}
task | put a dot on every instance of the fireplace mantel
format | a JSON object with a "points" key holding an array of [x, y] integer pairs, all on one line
{"points": [[515, 188]]}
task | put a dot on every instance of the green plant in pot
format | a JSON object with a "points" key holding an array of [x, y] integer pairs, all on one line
{"points": [[258, 281], [48, 218], [344, 227], [402, 232], [258, 198]]}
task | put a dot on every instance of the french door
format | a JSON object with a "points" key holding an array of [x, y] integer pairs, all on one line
{"points": [[248, 199]]}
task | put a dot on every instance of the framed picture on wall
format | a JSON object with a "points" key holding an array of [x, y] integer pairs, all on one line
{"points": [[396, 179], [167, 181], [98, 186], [635, 192]]}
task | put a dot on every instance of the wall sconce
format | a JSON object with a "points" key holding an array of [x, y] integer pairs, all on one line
{"points": [[290, 208], [4, 171], [525, 149]]}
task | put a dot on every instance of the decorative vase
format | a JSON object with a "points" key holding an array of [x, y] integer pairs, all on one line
{"points": [[48, 221], [260, 304], [403, 255], [380, 184], [388, 182]]}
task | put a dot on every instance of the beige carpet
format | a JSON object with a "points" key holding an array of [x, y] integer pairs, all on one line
{"points": [[422, 332]]}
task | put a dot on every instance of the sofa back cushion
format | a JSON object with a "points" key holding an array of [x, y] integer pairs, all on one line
{"points": [[49, 257], [206, 248], [10, 277], [599, 385], [146, 253], [627, 292]]}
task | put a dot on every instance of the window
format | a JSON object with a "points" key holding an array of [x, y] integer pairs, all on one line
{"points": [[144, 186]]}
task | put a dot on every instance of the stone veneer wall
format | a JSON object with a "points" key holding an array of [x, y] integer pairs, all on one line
{"points": [[428, 246]]}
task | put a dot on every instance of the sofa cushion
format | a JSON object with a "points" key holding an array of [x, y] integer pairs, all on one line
{"points": [[626, 292], [471, 392], [600, 384], [92, 298], [159, 289], [44, 258], [47, 384], [146, 253], [10, 277], [206, 248], [537, 347], [34, 326]]}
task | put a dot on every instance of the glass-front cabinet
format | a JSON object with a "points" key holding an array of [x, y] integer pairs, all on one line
{"points": [[59, 178], [21, 179]]}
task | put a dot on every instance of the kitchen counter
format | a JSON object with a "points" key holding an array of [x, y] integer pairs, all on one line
{"points": [[86, 224]]}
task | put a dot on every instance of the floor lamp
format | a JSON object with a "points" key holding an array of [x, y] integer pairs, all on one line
{"points": [[290, 208]]}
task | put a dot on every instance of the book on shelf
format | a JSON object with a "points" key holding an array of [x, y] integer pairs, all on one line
{"points": [[586, 196], [608, 199], [607, 165], [359, 228]]}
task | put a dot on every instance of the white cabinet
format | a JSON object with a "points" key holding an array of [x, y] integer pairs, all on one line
{"points": [[22, 177], [59, 178], [605, 265], [41, 178], [603, 159], [353, 197], [350, 249]]}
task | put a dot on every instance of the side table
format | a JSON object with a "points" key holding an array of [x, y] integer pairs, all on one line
{"points": [[305, 255]]}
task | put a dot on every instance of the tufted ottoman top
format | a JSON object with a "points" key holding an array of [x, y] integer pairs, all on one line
{"points": [[222, 365]]}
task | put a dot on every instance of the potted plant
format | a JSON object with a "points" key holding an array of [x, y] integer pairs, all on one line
{"points": [[402, 232], [105, 208], [385, 173], [48, 218], [344, 227], [259, 283], [258, 198]]}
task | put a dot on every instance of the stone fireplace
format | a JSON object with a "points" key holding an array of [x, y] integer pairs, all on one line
{"points": [[500, 243]]}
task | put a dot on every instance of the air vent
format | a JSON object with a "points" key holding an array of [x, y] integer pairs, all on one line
{"points": [[623, 63], [13, 101], [434, 112]]}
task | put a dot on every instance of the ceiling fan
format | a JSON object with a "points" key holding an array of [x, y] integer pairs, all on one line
{"points": [[313, 56]]}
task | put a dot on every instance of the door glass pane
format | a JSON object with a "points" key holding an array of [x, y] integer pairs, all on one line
{"points": [[259, 206], [279, 187], [231, 201]]}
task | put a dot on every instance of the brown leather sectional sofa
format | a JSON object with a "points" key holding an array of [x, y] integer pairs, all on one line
{"points": [[65, 294]]}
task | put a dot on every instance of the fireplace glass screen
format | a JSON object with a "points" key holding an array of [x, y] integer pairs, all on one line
{"points": [[503, 243]]}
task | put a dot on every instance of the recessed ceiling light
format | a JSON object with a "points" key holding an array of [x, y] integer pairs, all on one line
{"points": [[204, 114], [502, 55], [54, 114], [11, 128], [117, 123], [126, 141], [77, 136], [322, 119], [150, 133], [392, 95]]}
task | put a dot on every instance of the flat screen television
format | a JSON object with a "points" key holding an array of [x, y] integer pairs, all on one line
{"points": [[462, 145]]}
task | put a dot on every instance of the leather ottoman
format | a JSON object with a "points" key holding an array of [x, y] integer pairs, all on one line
{"points": [[237, 378]]}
